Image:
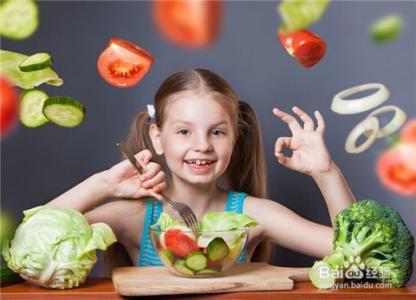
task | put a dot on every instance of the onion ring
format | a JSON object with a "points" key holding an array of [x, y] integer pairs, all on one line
{"points": [[369, 124], [353, 106], [397, 121]]}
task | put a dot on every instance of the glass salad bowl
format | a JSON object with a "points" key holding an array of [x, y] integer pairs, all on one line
{"points": [[205, 254]]}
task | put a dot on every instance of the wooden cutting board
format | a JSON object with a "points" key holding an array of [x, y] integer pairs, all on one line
{"points": [[141, 281]]}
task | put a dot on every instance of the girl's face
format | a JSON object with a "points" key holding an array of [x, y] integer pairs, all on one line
{"points": [[197, 138]]}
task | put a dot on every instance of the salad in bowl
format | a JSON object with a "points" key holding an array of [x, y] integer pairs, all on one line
{"points": [[218, 245]]}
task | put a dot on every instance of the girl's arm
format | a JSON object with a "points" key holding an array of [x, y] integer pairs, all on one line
{"points": [[86, 195], [310, 156], [282, 226], [120, 181], [335, 190]]}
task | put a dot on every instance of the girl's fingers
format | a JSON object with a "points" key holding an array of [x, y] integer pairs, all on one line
{"points": [[159, 187], [150, 171], [307, 121], [288, 119], [321, 122], [155, 194], [153, 181], [143, 157], [284, 160], [123, 168], [282, 142]]}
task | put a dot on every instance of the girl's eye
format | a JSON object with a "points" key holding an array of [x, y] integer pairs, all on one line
{"points": [[217, 132], [183, 131]]}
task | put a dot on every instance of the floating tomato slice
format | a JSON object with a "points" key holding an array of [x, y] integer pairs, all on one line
{"points": [[188, 22], [408, 133], [179, 243], [9, 105], [396, 169], [123, 64], [305, 46]]}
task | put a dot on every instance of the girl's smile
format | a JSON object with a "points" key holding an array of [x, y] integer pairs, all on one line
{"points": [[200, 166]]}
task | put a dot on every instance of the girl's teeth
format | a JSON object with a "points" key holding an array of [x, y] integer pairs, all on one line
{"points": [[199, 162]]}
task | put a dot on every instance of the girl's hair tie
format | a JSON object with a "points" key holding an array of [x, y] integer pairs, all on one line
{"points": [[150, 112]]}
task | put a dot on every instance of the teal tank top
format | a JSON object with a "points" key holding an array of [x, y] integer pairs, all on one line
{"points": [[148, 255]]}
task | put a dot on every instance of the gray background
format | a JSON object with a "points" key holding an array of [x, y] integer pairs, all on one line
{"points": [[39, 164]]}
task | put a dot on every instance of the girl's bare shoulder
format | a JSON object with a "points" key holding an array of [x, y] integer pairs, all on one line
{"points": [[254, 205]]}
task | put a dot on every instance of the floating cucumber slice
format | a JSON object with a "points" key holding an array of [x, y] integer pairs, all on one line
{"points": [[18, 18], [36, 62], [31, 105], [386, 28], [64, 111]]}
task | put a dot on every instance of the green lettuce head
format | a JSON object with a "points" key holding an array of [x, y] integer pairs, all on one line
{"points": [[55, 247]]}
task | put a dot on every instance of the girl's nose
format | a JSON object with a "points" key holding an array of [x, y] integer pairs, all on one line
{"points": [[202, 144]]}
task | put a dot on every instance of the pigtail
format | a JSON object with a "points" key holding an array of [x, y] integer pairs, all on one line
{"points": [[137, 140], [138, 137], [247, 169]]}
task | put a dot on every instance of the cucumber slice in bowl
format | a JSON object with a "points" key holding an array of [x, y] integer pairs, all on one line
{"points": [[196, 261], [64, 111], [31, 105], [182, 268], [217, 249], [36, 62]]}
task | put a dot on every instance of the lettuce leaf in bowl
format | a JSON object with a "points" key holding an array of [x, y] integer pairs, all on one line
{"points": [[225, 220], [9, 67], [165, 222]]}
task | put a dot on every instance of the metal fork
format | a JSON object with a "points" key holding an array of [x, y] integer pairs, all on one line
{"points": [[184, 210]]}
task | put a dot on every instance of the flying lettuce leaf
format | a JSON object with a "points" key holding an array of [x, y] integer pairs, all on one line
{"points": [[9, 67], [299, 14]]}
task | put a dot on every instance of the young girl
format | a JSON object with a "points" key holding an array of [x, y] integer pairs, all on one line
{"points": [[208, 144]]}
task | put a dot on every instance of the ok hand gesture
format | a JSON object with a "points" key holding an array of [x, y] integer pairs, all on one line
{"points": [[309, 153]]}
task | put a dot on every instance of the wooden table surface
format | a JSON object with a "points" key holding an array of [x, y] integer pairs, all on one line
{"points": [[102, 288]]}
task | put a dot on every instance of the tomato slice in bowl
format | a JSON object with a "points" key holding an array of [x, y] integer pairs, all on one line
{"points": [[123, 64], [179, 243]]}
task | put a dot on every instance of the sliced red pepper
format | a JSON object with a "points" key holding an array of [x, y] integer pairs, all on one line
{"points": [[305, 46]]}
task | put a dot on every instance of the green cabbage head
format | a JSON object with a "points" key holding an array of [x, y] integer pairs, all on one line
{"points": [[55, 247]]}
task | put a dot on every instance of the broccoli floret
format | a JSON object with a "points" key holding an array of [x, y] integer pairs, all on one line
{"points": [[368, 236]]}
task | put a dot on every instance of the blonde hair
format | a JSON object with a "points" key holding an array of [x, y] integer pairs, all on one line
{"points": [[247, 169]]}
